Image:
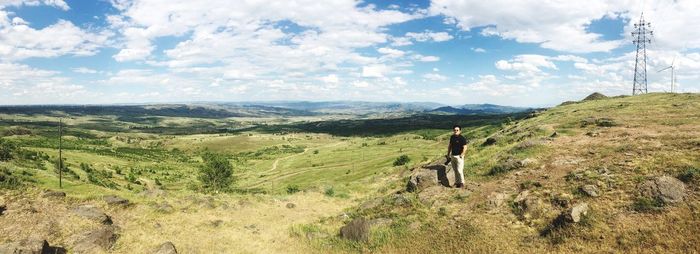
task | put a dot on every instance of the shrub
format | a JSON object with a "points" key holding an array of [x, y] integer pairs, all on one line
{"points": [[690, 175], [216, 174], [7, 150], [644, 204], [293, 188], [9, 181], [330, 191], [402, 160]]}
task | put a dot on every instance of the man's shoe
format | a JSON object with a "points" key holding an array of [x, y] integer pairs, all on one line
{"points": [[459, 185]]}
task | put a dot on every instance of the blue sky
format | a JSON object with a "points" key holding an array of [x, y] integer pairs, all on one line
{"points": [[524, 53]]}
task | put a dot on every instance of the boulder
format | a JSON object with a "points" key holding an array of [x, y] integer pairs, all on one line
{"points": [[490, 141], [665, 188], [356, 230], [420, 179], [113, 200], [590, 190], [575, 213], [54, 194], [92, 213], [100, 239], [166, 248], [32, 245]]}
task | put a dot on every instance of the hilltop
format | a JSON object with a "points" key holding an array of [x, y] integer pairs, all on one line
{"points": [[604, 175]]}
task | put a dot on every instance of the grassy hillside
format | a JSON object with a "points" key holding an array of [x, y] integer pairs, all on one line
{"points": [[537, 169]]}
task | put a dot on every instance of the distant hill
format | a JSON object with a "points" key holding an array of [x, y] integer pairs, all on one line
{"points": [[476, 109]]}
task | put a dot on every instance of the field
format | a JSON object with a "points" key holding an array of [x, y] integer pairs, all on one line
{"points": [[322, 167]]}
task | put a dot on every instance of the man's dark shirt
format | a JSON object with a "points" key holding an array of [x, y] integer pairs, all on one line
{"points": [[457, 143]]}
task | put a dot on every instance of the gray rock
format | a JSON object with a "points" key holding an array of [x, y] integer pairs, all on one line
{"points": [[30, 246], [400, 199], [527, 162], [54, 194], [356, 230], [490, 141], [116, 201], [495, 200], [575, 213], [665, 188], [291, 205], [166, 248], [164, 207], [100, 239], [420, 179], [92, 213], [590, 190]]}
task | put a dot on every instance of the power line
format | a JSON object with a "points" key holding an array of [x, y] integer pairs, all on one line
{"points": [[642, 35]]}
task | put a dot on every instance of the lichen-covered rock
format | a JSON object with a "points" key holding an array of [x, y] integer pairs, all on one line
{"points": [[356, 230]]}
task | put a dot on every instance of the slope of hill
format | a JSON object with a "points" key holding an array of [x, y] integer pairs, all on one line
{"points": [[607, 175], [478, 109]]}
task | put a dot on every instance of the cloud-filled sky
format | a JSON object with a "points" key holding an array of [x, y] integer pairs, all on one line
{"points": [[522, 53]]}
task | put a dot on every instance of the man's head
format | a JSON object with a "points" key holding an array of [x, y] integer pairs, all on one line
{"points": [[456, 129]]}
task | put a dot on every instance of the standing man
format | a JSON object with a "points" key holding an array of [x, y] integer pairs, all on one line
{"points": [[456, 150]]}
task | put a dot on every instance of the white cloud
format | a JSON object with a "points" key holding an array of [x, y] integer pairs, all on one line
{"points": [[434, 77], [54, 3], [374, 71], [389, 52], [559, 25], [429, 36], [423, 58], [360, 84], [478, 50], [85, 70], [332, 78]]}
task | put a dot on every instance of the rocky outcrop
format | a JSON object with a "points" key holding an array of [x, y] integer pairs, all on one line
{"points": [[356, 230], [664, 188], [92, 213], [100, 239], [32, 245]]}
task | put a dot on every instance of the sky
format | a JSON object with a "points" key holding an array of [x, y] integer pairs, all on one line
{"points": [[518, 53]]}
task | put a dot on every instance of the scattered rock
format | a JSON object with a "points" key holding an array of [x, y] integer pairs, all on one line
{"points": [[606, 122], [164, 207], [100, 239], [592, 134], [495, 200], [400, 199], [371, 204], [490, 141], [554, 135], [575, 213], [665, 188], [356, 230], [291, 205], [116, 201], [526, 162], [590, 190], [3, 208], [54, 194], [32, 245], [166, 248], [92, 213], [420, 179], [216, 223]]}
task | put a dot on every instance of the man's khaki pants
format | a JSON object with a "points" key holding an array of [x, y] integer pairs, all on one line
{"points": [[458, 168]]}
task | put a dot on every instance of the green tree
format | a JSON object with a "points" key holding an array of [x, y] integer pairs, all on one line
{"points": [[216, 174], [402, 160]]}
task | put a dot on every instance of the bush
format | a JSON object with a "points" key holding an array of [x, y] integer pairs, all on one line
{"points": [[690, 175], [216, 174], [329, 191], [402, 160], [293, 188], [644, 204], [7, 150], [9, 181]]}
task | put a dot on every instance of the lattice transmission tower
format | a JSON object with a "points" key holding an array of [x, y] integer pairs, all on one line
{"points": [[642, 35]]}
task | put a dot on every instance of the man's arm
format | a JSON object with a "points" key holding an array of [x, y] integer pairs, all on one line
{"points": [[464, 150], [449, 149]]}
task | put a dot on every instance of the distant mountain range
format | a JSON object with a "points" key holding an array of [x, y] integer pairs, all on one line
{"points": [[476, 109], [264, 109]]}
